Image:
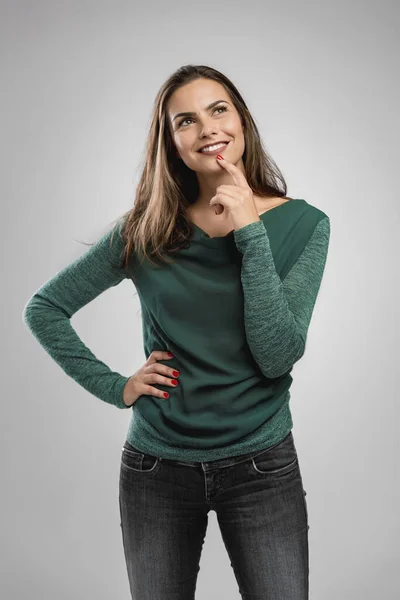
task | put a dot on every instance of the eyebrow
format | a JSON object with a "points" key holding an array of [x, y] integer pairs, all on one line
{"points": [[193, 114]]}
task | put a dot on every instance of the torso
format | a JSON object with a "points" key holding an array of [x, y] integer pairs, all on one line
{"points": [[220, 225]]}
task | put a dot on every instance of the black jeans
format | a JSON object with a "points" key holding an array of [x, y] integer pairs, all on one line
{"points": [[261, 509]]}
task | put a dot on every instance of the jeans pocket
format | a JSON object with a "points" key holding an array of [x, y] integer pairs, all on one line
{"points": [[134, 460], [277, 460]]}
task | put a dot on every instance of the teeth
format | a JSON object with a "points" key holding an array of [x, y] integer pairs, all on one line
{"points": [[211, 148]]}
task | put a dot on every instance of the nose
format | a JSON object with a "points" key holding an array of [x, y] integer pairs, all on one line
{"points": [[207, 129]]}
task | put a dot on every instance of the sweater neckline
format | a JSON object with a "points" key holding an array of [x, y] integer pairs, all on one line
{"points": [[215, 239]]}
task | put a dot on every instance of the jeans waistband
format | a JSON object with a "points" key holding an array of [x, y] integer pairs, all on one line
{"points": [[219, 463]]}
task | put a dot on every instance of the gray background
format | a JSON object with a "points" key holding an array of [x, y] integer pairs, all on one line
{"points": [[78, 80]]}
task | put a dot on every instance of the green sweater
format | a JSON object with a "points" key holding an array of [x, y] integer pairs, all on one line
{"points": [[234, 311]]}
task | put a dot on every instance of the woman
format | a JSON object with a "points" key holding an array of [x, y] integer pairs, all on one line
{"points": [[228, 269]]}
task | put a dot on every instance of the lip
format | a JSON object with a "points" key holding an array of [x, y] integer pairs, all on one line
{"points": [[217, 151]]}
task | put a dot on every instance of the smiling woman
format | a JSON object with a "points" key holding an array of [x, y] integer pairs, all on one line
{"points": [[223, 325]]}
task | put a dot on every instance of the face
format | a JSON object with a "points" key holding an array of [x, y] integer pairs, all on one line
{"points": [[220, 122]]}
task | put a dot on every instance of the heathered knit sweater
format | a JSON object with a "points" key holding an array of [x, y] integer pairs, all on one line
{"points": [[234, 311]]}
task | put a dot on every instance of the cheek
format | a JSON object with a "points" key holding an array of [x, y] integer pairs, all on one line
{"points": [[185, 144], [233, 122]]}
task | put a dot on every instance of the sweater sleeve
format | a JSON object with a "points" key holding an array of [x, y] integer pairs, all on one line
{"points": [[48, 312], [277, 313]]}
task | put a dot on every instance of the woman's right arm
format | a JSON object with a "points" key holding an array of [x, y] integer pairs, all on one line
{"points": [[48, 312]]}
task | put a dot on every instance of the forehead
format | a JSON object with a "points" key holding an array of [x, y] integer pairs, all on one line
{"points": [[195, 95]]}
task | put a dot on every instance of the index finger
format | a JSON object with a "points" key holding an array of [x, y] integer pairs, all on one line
{"points": [[237, 175]]}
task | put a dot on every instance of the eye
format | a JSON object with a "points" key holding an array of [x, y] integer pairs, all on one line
{"points": [[223, 108]]}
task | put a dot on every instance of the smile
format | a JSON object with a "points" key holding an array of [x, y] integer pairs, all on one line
{"points": [[214, 149]]}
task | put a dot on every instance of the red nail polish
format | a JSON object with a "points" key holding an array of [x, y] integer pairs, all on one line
{"points": [[170, 354], [220, 157], [175, 373]]}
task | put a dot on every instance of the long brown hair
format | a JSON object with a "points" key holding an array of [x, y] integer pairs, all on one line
{"points": [[157, 225]]}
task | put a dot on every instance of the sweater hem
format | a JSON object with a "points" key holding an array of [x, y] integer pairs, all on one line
{"points": [[144, 438]]}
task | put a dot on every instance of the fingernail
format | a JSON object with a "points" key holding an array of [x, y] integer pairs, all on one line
{"points": [[220, 157]]}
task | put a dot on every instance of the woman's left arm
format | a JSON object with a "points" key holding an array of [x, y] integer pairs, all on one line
{"points": [[277, 313]]}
